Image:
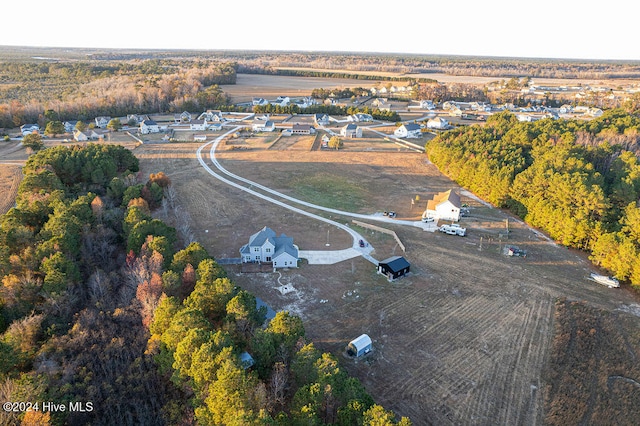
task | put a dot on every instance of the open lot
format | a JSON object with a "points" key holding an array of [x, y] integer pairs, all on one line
{"points": [[249, 86], [463, 340]]}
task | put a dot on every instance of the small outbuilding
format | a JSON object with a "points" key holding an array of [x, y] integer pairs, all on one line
{"points": [[359, 346], [394, 267]]}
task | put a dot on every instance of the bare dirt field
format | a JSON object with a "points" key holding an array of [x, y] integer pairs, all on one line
{"points": [[12, 157], [10, 176], [463, 340]]}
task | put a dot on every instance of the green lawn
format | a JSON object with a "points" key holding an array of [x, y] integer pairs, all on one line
{"points": [[330, 191]]}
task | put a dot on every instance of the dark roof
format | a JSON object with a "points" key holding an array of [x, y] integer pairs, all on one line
{"points": [[411, 126], [395, 263]]}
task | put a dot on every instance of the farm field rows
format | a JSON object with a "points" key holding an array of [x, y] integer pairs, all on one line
{"points": [[463, 340]]}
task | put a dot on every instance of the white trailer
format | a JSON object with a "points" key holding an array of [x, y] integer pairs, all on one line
{"points": [[453, 229]]}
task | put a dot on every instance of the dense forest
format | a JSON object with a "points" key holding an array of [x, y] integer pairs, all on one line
{"points": [[104, 304], [577, 180]]}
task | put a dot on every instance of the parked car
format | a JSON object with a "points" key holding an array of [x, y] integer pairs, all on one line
{"points": [[361, 242]]}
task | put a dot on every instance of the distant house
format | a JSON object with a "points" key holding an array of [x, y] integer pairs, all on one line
{"points": [[259, 102], [409, 130], [212, 115], [302, 129], [595, 112], [89, 134], [136, 118], [305, 102], [394, 267], [102, 121], [321, 119], [566, 109], [381, 104], [351, 131], [29, 128], [149, 126], [437, 123], [184, 117], [455, 111], [69, 126], [527, 117], [265, 246], [198, 124], [360, 346], [444, 206], [80, 136], [360, 117], [215, 126], [427, 104], [282, 101], [263, 126]]}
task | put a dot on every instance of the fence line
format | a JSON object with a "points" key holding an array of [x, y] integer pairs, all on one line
{"points": [[383, 230]]}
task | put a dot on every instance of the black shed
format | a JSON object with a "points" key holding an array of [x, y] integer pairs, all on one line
{"points": [[394, 267]]}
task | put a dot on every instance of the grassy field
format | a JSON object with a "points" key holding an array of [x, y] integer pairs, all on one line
{"points": [[328, 190]]}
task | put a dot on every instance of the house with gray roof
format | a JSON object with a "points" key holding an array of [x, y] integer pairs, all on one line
{"points": [[102, 121], [408, 130], [351, 130], [321, 119], [265, 246], [69, 126], [29, 128], [149, 126]]}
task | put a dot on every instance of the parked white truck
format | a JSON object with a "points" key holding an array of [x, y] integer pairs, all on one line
{"points": [[453, 229]]}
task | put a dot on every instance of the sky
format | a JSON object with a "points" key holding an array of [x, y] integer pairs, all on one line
{"points": [[504, 28]]}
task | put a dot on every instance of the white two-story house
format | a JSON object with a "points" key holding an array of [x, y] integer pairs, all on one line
{"points": [[265, 247]]}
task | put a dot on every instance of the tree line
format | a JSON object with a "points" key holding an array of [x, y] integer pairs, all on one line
{"points": [[577, 180], [326, 74], [82, 91], [103, 302]]}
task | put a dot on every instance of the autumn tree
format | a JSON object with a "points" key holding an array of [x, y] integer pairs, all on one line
{"points": [[335, 142]]}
